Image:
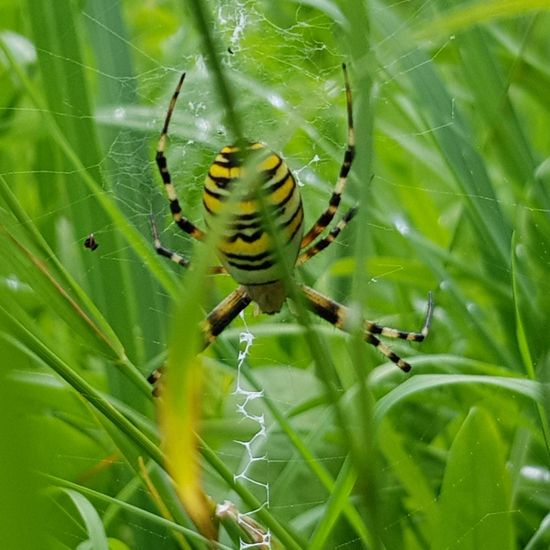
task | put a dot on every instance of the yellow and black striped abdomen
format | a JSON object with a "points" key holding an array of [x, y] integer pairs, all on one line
{"points": [[246, 247]]}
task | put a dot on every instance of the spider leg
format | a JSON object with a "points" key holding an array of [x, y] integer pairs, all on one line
{"points": [[402, 334], [162, 250], [214, 324], [320, 245], [326, 217], [220, 317], [182, 222], [176, 257], [337, 315]]}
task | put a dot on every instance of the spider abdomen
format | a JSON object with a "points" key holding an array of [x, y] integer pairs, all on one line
{"points": [[238, 179]]}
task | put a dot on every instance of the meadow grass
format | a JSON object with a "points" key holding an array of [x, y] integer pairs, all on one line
{"points": [[452, 180]]}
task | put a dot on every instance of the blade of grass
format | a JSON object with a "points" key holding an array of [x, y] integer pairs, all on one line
{"points": [[116, 86], [46, 284], [460, 18], [541, 538], [35, 347], [453, 137], [347, 478], [491, 94], [523, 344], [424, 382], [94, 526], [130, 508], [410, 475], [61, 61], [132, 236], [104, 329], [363, 446], [204, 25]]}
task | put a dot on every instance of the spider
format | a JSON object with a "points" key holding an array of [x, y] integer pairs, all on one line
{"points": [[247, 249]]}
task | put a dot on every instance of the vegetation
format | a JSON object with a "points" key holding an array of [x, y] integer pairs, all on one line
{"points": [[453, 181]]}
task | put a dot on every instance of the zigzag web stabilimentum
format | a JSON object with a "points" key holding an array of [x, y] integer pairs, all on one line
{"points": [[262, 537]]}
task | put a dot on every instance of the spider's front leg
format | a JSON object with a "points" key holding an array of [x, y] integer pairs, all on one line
{"points": [[326, 217], [181, 221], [321, 244]]}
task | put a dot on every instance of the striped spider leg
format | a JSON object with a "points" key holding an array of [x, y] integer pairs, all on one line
{"points": [[183, 223], [338, 315], [326, 217]]}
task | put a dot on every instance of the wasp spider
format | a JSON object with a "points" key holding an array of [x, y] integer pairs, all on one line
{"points": [[247, 250]]}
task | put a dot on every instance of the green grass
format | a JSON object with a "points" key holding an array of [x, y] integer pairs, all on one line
{"points": [[452, 176]]}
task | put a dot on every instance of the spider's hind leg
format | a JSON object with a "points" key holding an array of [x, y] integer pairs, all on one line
{"points": [[411, 336], [214, 324], [337, 315], [222, 315]]}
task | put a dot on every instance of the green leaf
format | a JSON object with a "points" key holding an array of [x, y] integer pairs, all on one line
{"points": [[475, 503]]}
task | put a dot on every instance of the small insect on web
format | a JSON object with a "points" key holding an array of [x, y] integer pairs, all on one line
{"points": [[90, 242], [247, 250]]}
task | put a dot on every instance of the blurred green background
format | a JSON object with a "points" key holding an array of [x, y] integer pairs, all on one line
{"points": [[453, 180]]}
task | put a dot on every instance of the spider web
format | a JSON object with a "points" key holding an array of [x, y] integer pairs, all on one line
{"points": [[298, 108]]}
